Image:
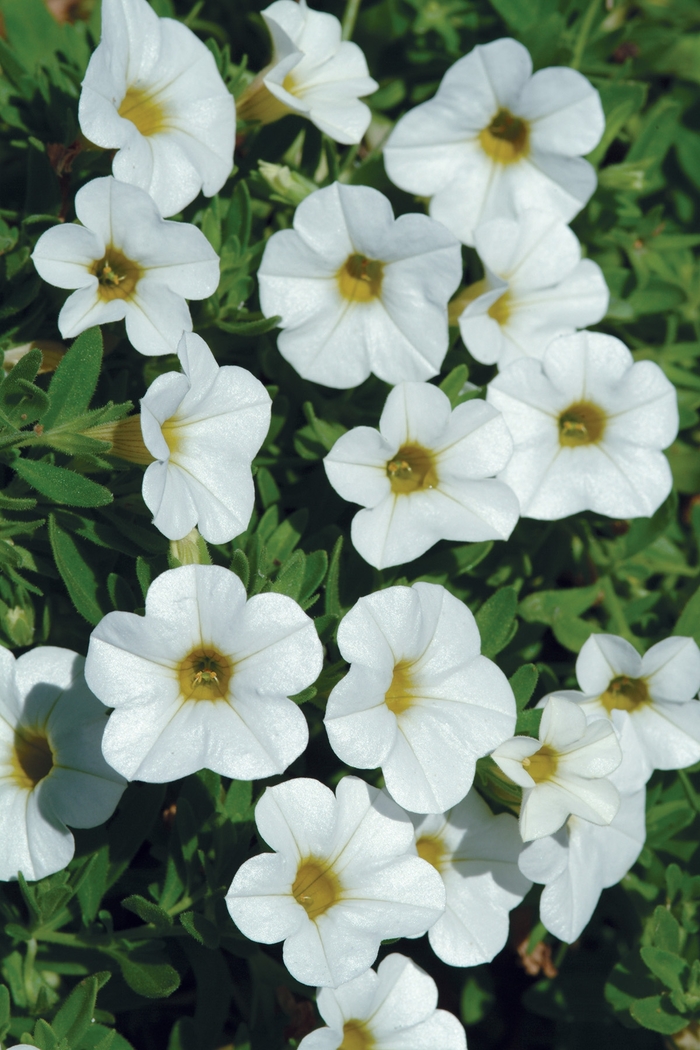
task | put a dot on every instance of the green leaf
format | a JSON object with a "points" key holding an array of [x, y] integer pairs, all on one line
{"points": [[199, 927], [496, 621], [4, 1011], [665, 931], [453, 383], [644, 531], [665, 965], [572, 632], [523, 684], [656, 1014], [241, 567], [332, 594], [147, 911], [92, 884], [688, 625], [21, 402], [78, 1010], [154, 980], [290, 578], [73, 383], [62, 485], [238, 804], [75, 572], [549, 606]]}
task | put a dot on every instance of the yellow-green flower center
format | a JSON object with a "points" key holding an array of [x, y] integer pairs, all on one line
{"points": [[506, 139], [204, 674], [356, 1037], [316, 887], [117, 275], [542, 765], [432, 849], [625, 694], [412, 468], [399, 696], [582, 423], [32, 759], [143, 110], [360, 278]]}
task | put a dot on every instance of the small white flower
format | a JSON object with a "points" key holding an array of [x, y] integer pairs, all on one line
{"points": [[392, 1009], [203, 680], [153, 93], [476, 855], [203, 426], [419, 700], [656, 694], [496, 140], [359, 291], [425, 475], [564, 772], [343, 877], [313, 73], [588, 425], [52, 772], [536, 287], [127, 262]]}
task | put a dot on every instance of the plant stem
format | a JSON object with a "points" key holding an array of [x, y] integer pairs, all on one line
{"points": [[352, 8], [584, 33], [613, 607]]}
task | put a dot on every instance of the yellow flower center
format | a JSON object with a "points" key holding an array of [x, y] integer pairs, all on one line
{"points": [[144, 111], [432, 849], [32, 759], [501, 309], [506, 139], [399, 695], [360, 278], [582, 423], [356, 1037], [205, 675], [413, 467], [542, 765], [117, 276], [625, 694], [316, 887], [172, 432]]}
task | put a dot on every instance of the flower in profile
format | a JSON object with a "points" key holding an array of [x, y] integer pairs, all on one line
{"points": [[343, 878], [394, 1007], [565, 772], [203, 680], [359, 291], [52, 773], [419, 700], [313, 73], [536, 287], [495, 140], [476, 855], [127, 262], [588, 425], [425, 475], [152, 92]]}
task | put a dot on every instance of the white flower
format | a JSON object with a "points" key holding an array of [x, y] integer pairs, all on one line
{"points": [[359, 291], [496, 140], [536, 287], [127, 262], [425, 475], [342, 879], [476, 855], [204, 427], [153, 93], [387, 1010], [203, 680], [52, 772], [419, 700], [313, 72], [564, 772], [656, 694], [588, 425]]}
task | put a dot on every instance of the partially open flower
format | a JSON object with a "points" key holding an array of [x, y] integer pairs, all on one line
{"points": [[313, 73], [127, 262], [495, 139], [152, 92], [425, 475]]}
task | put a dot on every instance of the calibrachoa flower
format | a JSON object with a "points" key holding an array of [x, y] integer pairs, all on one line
{"points": [[203, 427], [387, 1010], [565, 772], [496, 140], [313, 73], [536, 287], [588, 425], [203, 679], [419, 700], [359, 291], [127, 262], [52, 772], [476, 854], [655, 693], [425, 475], [153, 93], [343, 877]]}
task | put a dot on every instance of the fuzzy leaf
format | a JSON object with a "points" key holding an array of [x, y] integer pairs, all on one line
{"points": [[62, 485], [74, 381], [496, 621]]}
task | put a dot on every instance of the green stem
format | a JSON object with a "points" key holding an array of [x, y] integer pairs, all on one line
{"points": [[613, 607], [352, 8], [584, 33]]}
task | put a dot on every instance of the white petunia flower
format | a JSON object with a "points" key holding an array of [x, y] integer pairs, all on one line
{"points": [[476, 855], [536, 287], [425, 475], [203, 680], [419, 700], [655, 694], [359, 291], [203, 426], [313, 73], [392, 1009], [588, 425], [153, 93], [343, 877], [496, 140], [52, 773], [565, 772], [127, 262]]}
